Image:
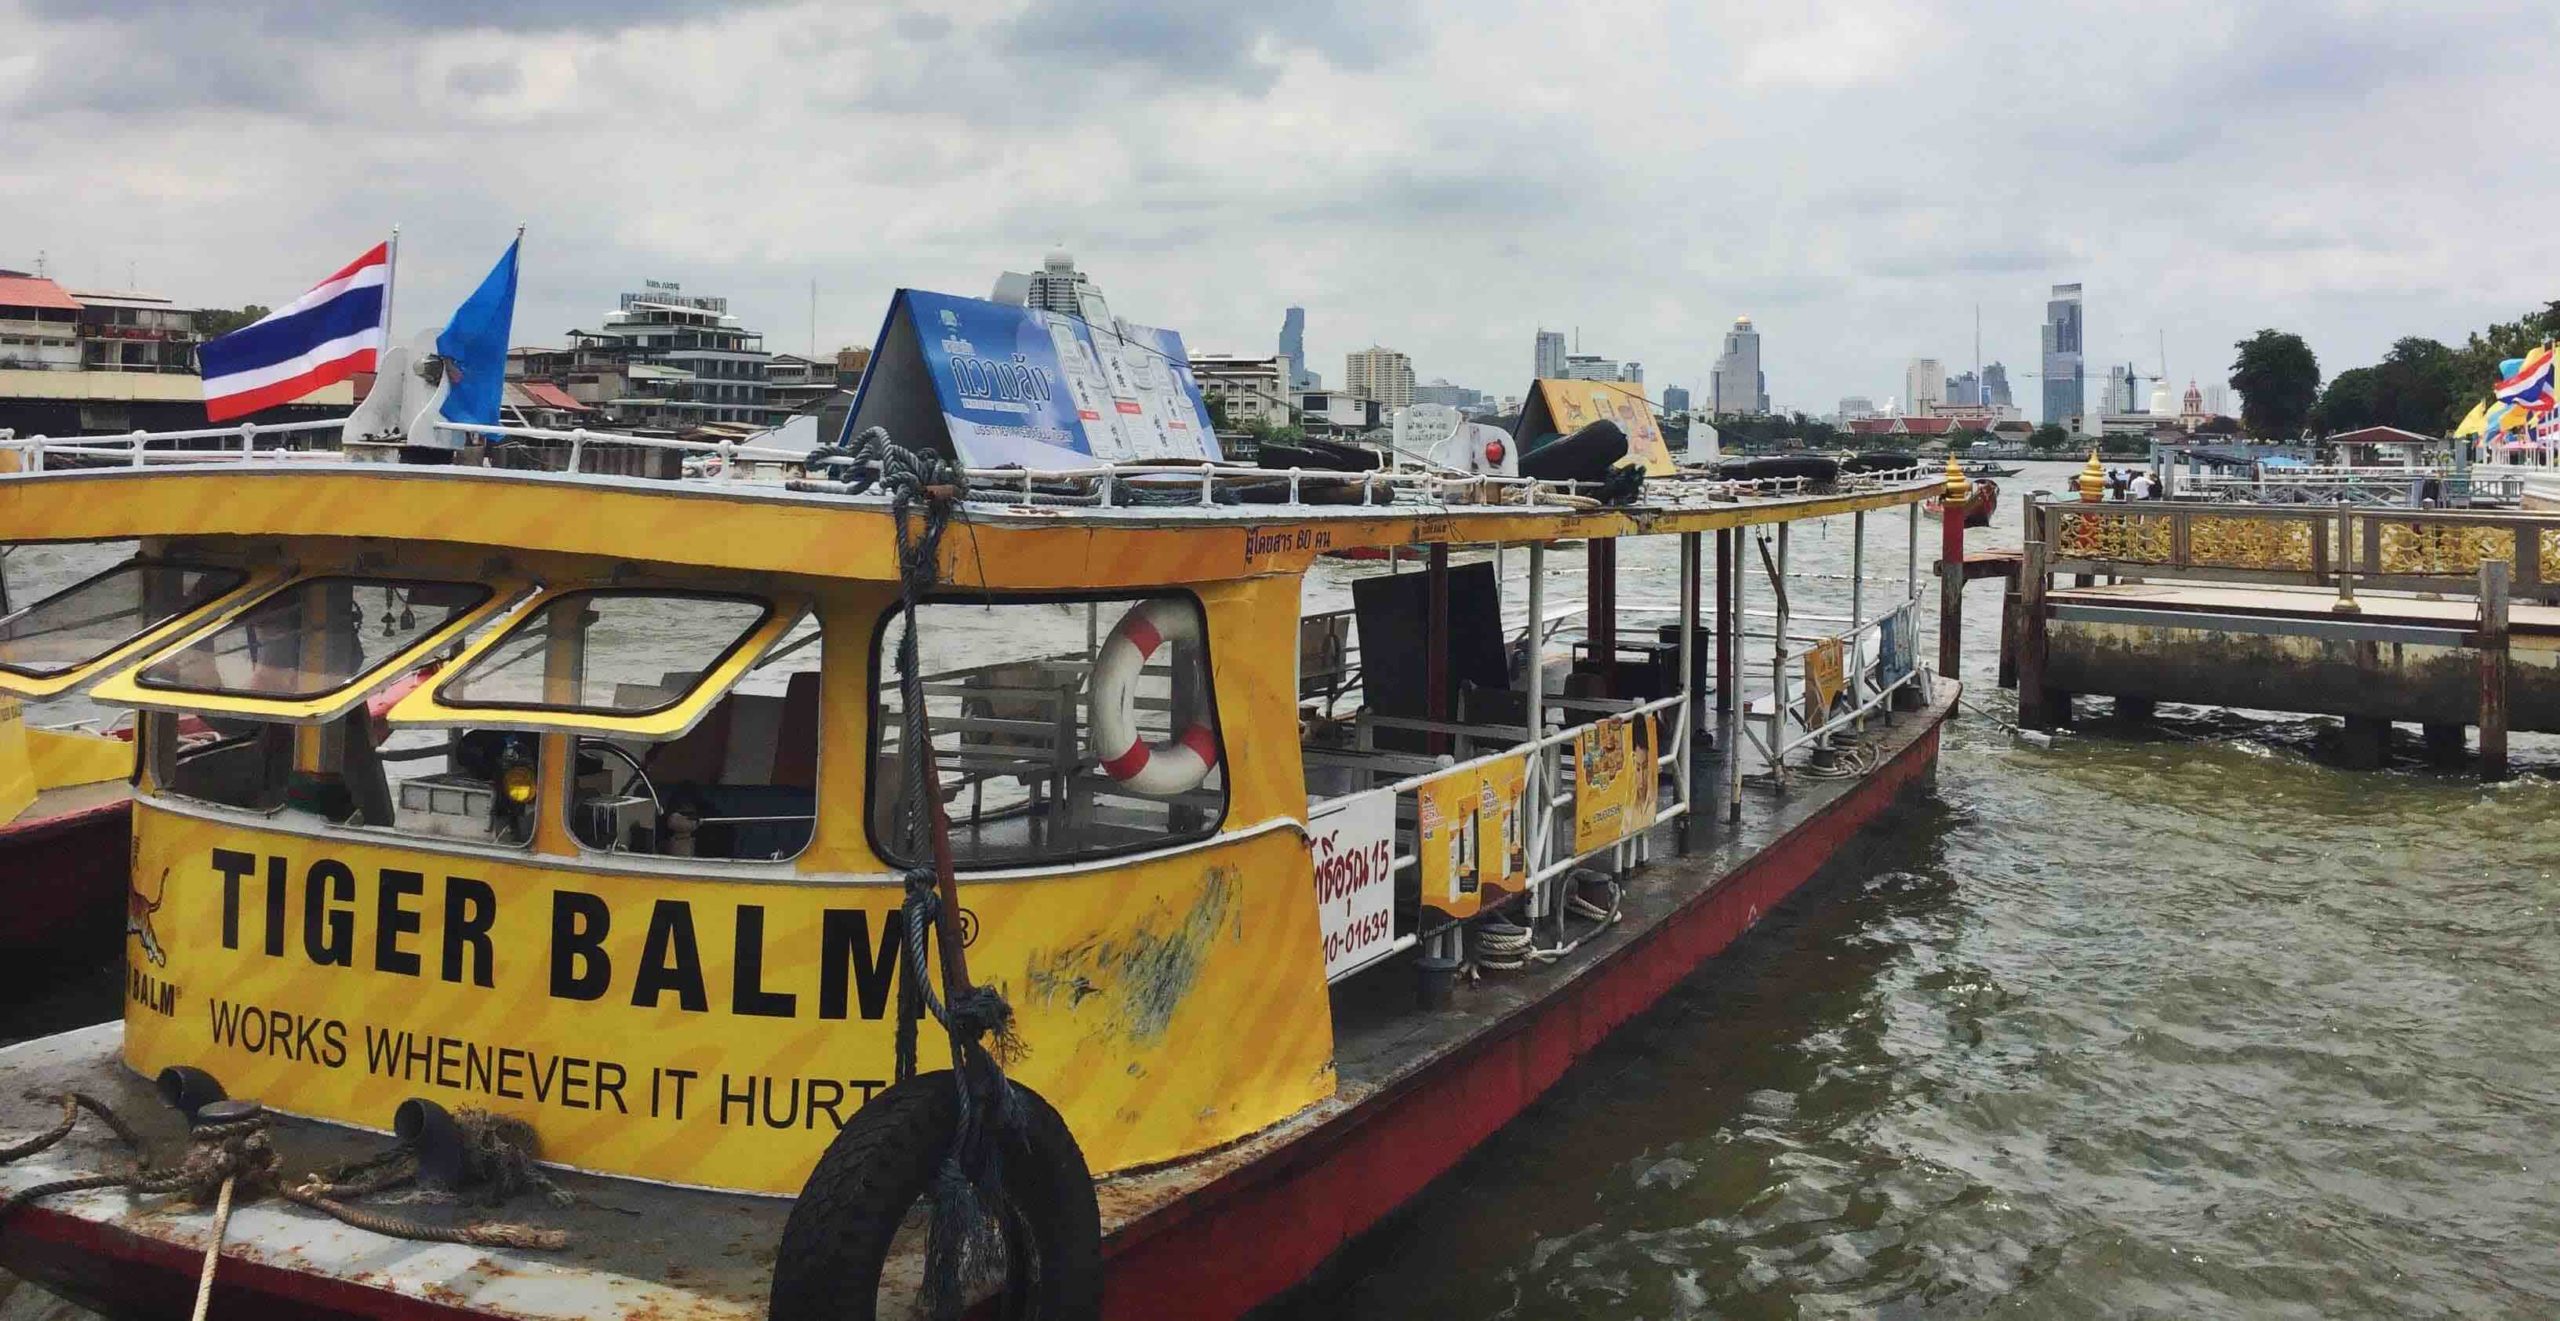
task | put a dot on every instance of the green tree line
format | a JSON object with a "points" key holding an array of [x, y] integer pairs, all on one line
{"points": [[2421, 385]]}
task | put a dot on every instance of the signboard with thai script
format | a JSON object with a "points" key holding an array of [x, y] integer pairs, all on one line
{"points": [[1893, 646], [996, 384], [1615, 790], [1355, 862]]}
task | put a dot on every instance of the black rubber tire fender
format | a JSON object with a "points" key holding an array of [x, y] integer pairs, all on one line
{"points": [[882, 1162]]}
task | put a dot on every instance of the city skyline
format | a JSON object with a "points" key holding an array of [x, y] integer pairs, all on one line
{"points": [[272, 139]]}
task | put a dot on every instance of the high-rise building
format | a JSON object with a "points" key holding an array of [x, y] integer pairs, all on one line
{"points": [[1293, 346], [2064, 397], [1738, 385], [1964, 389], [1995, 386], [1924, 387], [1551, 355], [1059, 287], [1455, 396], [1632, 373], [1589, 367], [2217, 400], [1856, 406], [1381, 374], [1675, 399]]}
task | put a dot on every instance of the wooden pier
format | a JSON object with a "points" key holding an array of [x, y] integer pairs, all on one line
{"points": [[2445, 620]]}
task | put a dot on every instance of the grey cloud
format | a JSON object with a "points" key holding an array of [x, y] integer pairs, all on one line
{"points": [[339, 15], [1219, 42]]}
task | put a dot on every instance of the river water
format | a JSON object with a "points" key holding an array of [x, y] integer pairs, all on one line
{"points": [[2179, 1020], [2169, 1020]]}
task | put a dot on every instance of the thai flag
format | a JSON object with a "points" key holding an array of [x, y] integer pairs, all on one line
{"points": [[2529, 387], [325, 336]]}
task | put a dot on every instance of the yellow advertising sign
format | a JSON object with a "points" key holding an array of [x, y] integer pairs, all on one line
{"points": [[1502, 826], [1824, 668], [706, 1030], [1573, 405], [1615, 782], [1445, 816]]}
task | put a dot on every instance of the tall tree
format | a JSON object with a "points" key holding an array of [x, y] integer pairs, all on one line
{"points": [[2415, 386], [2278, 380], [2348, 402], [2048, 437], [223, 320]]}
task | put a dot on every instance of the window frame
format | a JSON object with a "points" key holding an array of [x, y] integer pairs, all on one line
{"points": [[126, 688], [428, 706], [253, 585], [878, 665]]}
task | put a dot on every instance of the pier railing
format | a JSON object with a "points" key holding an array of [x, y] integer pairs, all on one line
{"points": [[2402, 549], [2363, 487]]}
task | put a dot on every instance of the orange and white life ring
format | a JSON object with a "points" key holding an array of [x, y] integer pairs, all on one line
{"points": [[1158, 770]]}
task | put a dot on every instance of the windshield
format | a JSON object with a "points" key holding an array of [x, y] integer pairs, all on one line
{"points": [[81, 623], [608, 652], [314, 637]]}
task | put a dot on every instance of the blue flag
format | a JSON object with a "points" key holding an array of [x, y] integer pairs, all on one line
{"points": [[476, 340]]}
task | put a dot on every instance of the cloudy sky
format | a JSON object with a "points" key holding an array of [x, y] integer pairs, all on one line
{"points": [[1439, 178]]}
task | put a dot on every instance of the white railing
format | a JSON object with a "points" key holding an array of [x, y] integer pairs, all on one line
{"points": [[1104, 486], [1779, 717], [1547, 804]]}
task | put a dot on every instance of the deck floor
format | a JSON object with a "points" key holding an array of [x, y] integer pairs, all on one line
{"points": [[645, 1249]]}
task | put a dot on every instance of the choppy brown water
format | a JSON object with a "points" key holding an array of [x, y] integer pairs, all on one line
{"points": [[2166, 1021], [2180, 1021]]}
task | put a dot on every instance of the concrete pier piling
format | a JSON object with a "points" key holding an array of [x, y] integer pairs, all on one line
{"points": [[2455, 626]]}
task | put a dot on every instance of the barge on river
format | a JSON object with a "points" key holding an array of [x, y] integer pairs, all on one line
{"points": [[1289, 908]]}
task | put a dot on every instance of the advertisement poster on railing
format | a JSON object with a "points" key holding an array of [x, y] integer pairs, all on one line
{"points": [[1445, 812], [1893, 646], [1018, 385], [1615, 794], [1502, 828], [1825, 663], [1355, 855]]}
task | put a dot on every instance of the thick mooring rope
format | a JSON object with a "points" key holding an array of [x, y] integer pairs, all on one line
{"points": [[229, 1158], [964, 1243]]}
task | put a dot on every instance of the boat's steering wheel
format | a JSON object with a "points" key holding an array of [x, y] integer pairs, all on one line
{"points": [[639, 774]]}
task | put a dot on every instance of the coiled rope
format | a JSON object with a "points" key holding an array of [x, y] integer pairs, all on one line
{"points": [[229, 1156], [1509, 947]]}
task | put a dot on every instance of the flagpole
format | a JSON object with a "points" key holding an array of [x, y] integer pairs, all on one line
{"points": [[390, 284]]}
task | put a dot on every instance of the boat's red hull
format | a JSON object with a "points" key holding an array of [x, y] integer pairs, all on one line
{"points": [[1254, 1234], [1220, 1250], [62, 882]]}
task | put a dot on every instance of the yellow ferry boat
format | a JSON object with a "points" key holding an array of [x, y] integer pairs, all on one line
{"points": [[595, 837]]}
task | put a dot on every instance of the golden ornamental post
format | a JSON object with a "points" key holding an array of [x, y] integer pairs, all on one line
{"points": [[2093, 480]]}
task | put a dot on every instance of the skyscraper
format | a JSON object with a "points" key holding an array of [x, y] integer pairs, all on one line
{"points": [[1381, 374], [1738, 385], [1293, 346], [2063, 396], [1675, 399], [1551, 354], [1965, 389], [1995, 386], [1924, 387]]}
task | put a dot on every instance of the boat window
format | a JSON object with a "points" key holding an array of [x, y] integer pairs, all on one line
{"points": [[1061, 729], [696, 714], [618, 653], [315, 637], [97, 617], [81, 623], [475, 786], [739, 784]]}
